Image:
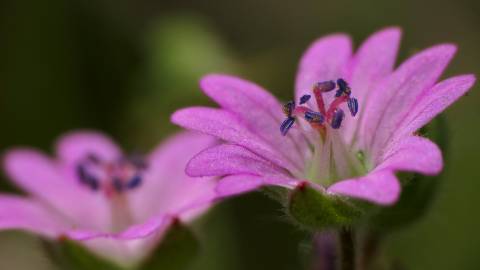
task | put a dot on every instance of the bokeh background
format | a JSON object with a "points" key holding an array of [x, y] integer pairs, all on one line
{"points": [[122, 66]]}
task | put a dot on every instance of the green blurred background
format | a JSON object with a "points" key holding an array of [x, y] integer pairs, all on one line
{"points": [[124, 66]]}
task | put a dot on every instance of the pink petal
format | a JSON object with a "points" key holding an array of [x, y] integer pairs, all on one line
{"points": [[129, 247], [166, 188], [241, 183], [393, 99], [26, 214], [381, 187], [228, 159], [433, 102], [258, 110], [75, 145], [414, 154], [238, 184], [373, 61], [324, 60], [38, 175], [226, 126]]}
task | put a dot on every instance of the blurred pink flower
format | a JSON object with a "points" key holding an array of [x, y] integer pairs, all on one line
{"points": [[118, 206], [354, 156]]}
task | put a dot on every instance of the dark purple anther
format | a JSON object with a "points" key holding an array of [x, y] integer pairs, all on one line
{"points": [[352, 105], [117, 184], [86, 178], [134, 182], [288, 108], [304, 99], [93, 158], [342, 88], [314, 117], [326, 86], [337, 118], [286, 125]]}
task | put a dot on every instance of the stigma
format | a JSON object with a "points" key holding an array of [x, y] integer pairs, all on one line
{"points": [[321, 116], [111, 177]]}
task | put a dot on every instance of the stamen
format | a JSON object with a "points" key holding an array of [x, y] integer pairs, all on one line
{"points": [[337, 118], [323, 87], [314, 117], [117, 184], [134, 182], [112, 177], [342, 88], [86, 178], [334, 115], [288, 108], [304, 99], [286, 125], [352, 105]]}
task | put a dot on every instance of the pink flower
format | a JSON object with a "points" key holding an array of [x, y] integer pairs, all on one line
{"points": [[354, 154], [118, 206]]}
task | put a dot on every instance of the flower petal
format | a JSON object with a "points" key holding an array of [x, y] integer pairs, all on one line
{"points": [[41, 177], [238, 184], [324, 60], [374, 60], [228, 159], [166, 188], [394, 98], [381, 187], [226, 126], [432, 103], [241, 183], [129, 246], [414, 154], [26, 214], [75, 145], [258, 110]]}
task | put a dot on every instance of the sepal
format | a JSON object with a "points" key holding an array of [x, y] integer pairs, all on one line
{"points": [[316, 210]]}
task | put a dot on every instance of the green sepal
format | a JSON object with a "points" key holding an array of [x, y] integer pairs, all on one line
{"points": [[315, 210], [69, 255], [418, 191], [176, 251]]}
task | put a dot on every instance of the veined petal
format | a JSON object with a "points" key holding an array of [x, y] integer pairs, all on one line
{"points": [[226, 159], [129, 246], [166, 188], [27, 214], [392, 99], [258, 110], [381, 187], [238, 184], [226, 126], [324, 60], [77, 144], [374, 60], [41, 177], [414, 154], [433, 102], [242, 183]]}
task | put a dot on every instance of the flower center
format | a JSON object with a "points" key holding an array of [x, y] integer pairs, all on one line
{"points": [[332, 159], [114, 179]]}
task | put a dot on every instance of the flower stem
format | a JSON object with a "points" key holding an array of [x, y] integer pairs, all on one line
{"points": [[347, 249]]}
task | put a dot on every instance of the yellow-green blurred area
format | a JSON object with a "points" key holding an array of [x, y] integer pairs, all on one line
{"points": [[124, 66]]}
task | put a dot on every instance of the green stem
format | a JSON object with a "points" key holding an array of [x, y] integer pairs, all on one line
{"points": [[347, 249]]}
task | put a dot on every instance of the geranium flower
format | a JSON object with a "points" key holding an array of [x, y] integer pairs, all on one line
{"points": [[116, 205], [350, 139]]}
